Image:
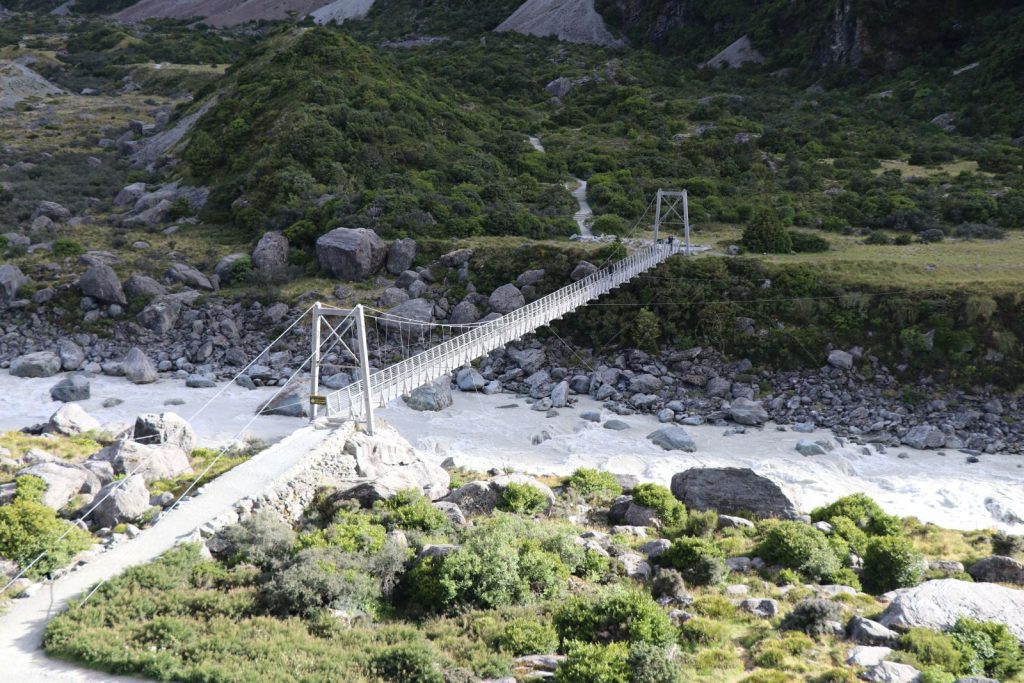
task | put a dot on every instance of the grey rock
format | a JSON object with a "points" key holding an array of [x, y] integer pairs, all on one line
{"points": [[38, 364], [410, 318], [430, 397], [998, 569], [101, 283], [867, 632], [730, 490], [506, 299], [127, 501], [160, 315], [152, 462], [290, 402], [528, 360], [938, 604], [673, 439], [339, 380], [718, 387], [401, 255], [925, 436], [11, 282], [644, 384], [731, 522], [635, 566], [840, 359], [393, 296], [652, 549], [72, 357], [590, 416], [474, 498], [616, 425], [224, 267], [73, 388], [454, 259], [747, 412], [452, 511], [560, 395], [464, 312], [803, 427], [582, 270], [270, 257], [51, 210], [808, 447], [153, 428], [867, 655], [351, 253], [891, 672], [64, 482], [468, 379], [138, 369], [130, 194], [143, 287], [640, 515], [187, 275], [765, 608]]}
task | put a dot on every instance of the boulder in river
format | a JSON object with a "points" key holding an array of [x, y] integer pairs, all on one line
{"points": [[731, 490], [38, 364], [73, 388], [673, 439], [430, 397]]}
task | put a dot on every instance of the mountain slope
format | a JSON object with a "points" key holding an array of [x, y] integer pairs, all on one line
{"points": [[575, 21], [219, 12]]}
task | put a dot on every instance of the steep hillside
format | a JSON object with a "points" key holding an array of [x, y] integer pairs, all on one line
{"points": [[575, 21], [318, 131], [219, 12]]}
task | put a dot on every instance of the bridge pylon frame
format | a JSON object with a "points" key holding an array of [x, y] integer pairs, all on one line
{"points": [[319, 312], [681, 198]]}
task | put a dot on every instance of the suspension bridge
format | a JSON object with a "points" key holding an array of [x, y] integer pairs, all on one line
{"points": [[22, 626]]}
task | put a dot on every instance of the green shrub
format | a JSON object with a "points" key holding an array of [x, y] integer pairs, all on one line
{"points": [[700, 632], [670, 511], [322, 578], [28, 528], [407, 663], [650, 663], [766, 235], [788, 577], [668, 583], [878, 238], [593, 663], [262, 540], [801, 547], [935, 675], [891, 562], [701, 523], [903, 239], [350, 531], [767, 677], [240, 269], [713, 606], [988, 648], [807, 242], [836, 676], [931, 648], [523, 499], [528, 637], [699, 560], [611, 615], [594, 483], [863, 511], [608, 224], [855, 537], [1006, 544], [410, 509], [812, 617], [65, 247]]}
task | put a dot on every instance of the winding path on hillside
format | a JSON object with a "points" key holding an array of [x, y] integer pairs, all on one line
{"points": [[23, 625], [585, 215]]}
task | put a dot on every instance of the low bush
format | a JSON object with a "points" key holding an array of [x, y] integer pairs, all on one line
{"points": [[410, 509], [262, 540], [766, 235], [988, 648], [612, 615], [594, 663], [65, 247], [799, 546], [713, 606], [523, 499], [891, 562], [863, 511], [701, 632], [931, 235], [350, 531], [650, 663], [323, 578], [29, 528], [767, 677], [699, 560], [701, 523], [670, 511], [528, 637], [407, 663], [1006, 544], [668, 583], [931, 648], [807, 242], [812, 617], [877, 238], [979, 231], [594, 483]]}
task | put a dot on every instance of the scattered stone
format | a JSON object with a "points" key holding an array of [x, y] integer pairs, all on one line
{"points": [[590, 416], [808, 447], [11, 281], [840, 359], [616, 425], [673, 439], [924, 437], [867, 655], [891, 672], [73, 388], [468, 379], [64, 482], [100, 282], [766, 608], [867, 632], [401, 255]]}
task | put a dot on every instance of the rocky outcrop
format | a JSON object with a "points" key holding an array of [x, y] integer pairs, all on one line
{"points": [[11, 281], [574, 21], [153, 429], [481, 497], [998, 569], [126, 502], [101, 283], [731, 490], [401, 255], [938, 604], [137, 367], [351, 253], [64, 482], [71, 420], [737, 54], [430, 397], [270, 257], [151, 462]]}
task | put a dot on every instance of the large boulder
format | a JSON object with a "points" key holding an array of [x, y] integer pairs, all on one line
{"points": [[746, 412], [867, 632], [101, 283], [583, 269], [152, 462], [151, 429], [72, 357], [401, 254], [468, 379], [127, 501], [11, 281], [673, 439], [410, 318], [998, 569], [528, 360], [430, 397], [52, 210], [64, 482], [938, 604], [270, 257], [732, 490], [160, 315], [70, 419], [290, 402], [224, 267], [891, 672], [840, 359], [187, 275], [925, 436], [38, 364], [351, 253], [143, 287], [506, 299], [73, 388], [138, 368], [390, 464], [464, 312]]}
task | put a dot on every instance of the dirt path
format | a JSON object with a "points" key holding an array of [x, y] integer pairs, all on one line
{"points": [[585, 215], [22, 626]]}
